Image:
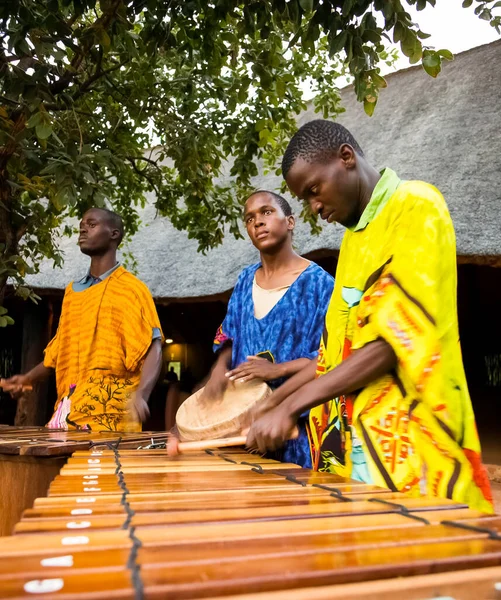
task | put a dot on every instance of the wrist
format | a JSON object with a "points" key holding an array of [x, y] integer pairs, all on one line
{"points": [[281, 370]]}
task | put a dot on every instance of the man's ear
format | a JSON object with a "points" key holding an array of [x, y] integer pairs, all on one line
{"points": [[348, 155], [291, 222]]}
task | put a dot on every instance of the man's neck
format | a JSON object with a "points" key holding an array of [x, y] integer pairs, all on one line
{"points": [[282, 260], [369, 178], [100, 264]]}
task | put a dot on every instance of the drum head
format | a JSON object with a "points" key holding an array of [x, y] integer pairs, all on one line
{"points": [[199, 419]]}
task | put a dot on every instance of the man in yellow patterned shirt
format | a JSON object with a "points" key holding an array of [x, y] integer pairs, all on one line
{"points": [[389, 399], [107, 349]]}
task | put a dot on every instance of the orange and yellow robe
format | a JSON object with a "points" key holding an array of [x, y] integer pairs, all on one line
{"points": [[104, 334], [412, 430]]}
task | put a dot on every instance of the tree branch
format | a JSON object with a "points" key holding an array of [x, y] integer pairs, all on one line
{"points": [[70, 73], [9, 59], [56, 107], [143, 174], [93, 78], [148, 160], [9, 101]]}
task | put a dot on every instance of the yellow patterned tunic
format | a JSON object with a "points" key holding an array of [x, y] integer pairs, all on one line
{"points": [[98, 352], [412, 430]]}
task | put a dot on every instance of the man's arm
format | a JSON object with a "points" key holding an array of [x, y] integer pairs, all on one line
{"points": [[218, 382], [302, 377], [149, 376], [17, 382], [260, 368], [358, 370]]}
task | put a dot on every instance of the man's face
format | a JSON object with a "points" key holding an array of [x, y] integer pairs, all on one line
{"points": [[266, 223], [330, 187], [96, 233]]}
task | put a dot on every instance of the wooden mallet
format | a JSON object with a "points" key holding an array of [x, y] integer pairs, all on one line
{"points": [[174, 446]]}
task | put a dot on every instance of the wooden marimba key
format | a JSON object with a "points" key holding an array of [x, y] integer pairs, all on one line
{"points": [[137, 524], [30, 458]]}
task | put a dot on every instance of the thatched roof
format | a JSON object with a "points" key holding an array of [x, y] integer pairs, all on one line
{"points": [[446, 131]]}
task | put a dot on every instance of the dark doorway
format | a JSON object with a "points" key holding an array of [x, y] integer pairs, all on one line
{"points": [[479, 299]]}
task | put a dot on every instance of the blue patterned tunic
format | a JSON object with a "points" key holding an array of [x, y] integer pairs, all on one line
{"points": [[291, 330]]}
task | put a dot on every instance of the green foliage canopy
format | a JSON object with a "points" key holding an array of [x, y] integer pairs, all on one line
{"points": [[87, 85]]}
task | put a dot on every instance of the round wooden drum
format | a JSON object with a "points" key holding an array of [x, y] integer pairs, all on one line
{"points": [[197, 419]]}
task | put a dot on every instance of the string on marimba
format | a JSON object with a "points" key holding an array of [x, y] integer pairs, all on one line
{"points": [[491, 533]]}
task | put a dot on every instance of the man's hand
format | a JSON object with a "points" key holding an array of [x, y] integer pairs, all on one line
{"points": [[256, 368], [271, 431], [17, 385], [172, 445], [140, 407], [216, 386]]}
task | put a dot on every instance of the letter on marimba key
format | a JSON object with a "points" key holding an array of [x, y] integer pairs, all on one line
{"points": [[75, 540], [58, 561], [43, 586], [78, 525]]}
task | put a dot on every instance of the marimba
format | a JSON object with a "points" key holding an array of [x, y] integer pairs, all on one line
{"points": [[30, 458], [136, 524]]}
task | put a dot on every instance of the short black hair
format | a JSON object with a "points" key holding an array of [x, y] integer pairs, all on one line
{"points": [[280, 200], [317, 140], [115, 220]]}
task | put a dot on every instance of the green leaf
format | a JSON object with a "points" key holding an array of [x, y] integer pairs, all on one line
{"points": [[370, 105], [432, 63], [103, 37], [347, 7], [306, 5], [281, 88], [260, 124], [34, 120], [43, 130], [447, 54], [467, 3], [398, 32], [378, 80], [264, 137], [338, 43], [423, 36], [23, 48], [410, 44], [3, 321]]}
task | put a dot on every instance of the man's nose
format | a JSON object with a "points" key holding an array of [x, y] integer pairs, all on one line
{"points": [[316, 206]]}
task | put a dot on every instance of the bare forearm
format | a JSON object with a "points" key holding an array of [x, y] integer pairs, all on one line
{"points": [[293, 384], [151, 369], [223, 362], [288, 369], [357, 371], [39, 373]]}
